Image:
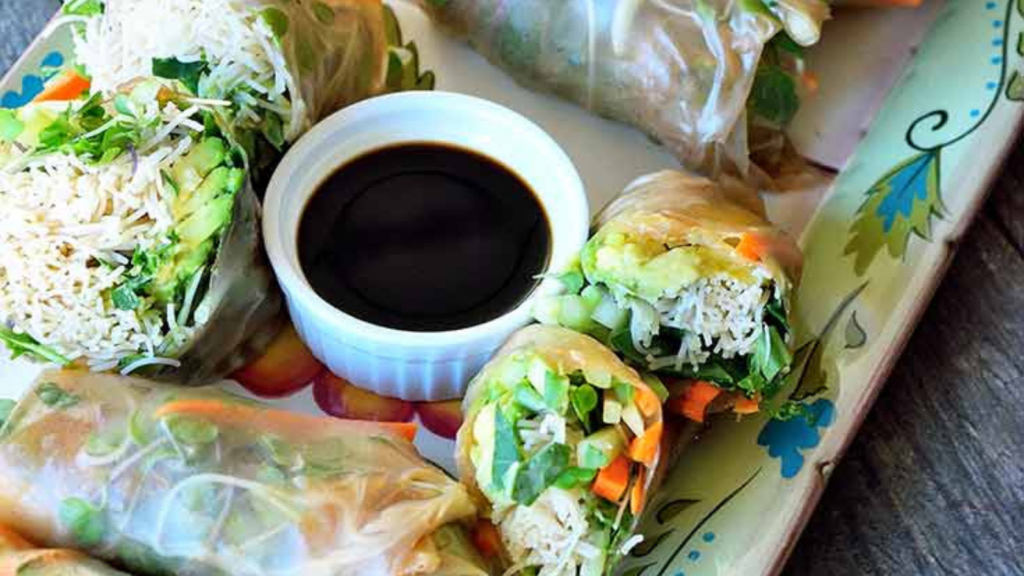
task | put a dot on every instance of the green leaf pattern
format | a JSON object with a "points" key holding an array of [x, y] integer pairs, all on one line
{"points": [[901, 203]]}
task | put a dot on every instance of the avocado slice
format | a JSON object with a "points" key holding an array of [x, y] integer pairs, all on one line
{"points": [[221, 180], [205, 222], [189, 172], [173, 277], [206, 198]]}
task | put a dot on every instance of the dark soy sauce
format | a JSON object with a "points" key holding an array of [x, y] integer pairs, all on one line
{"points": [[424, 237]]}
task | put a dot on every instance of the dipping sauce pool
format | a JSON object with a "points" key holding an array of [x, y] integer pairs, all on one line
{"points": [[424, 237]]}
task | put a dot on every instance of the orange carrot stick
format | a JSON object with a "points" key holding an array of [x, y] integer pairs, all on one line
{"points": [[746, 405], [277, 421], [636, 495], [647, 401], [644, 448], [68, 85], [612, 480], [695, 400]]}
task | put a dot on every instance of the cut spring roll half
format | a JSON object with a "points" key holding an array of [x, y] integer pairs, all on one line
{"points": [[685, 283], [18, 557], [561, 440], [197, 482], [129, 237], [699, 76], [283, 65]]}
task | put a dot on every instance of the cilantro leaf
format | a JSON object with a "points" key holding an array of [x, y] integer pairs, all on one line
{"points": [[540, 472], [20, 344], [584, 400], [125, 298], [107, 139], [188, 73]]}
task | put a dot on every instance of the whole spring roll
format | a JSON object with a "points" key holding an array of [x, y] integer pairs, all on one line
{"points": [[685, 283], [129, 237], [284, 65], [562, 444], [198, 482], [684, 71], [18, 557]]}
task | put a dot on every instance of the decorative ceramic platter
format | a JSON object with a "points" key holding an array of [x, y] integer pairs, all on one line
{"points": [[916, 121]]}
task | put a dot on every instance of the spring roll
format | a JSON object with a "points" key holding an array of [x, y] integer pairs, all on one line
{"points": [[129, 237], [561, 443], [18, 557], [167, 480], [685, 283], [686, 72], [284, 65]]}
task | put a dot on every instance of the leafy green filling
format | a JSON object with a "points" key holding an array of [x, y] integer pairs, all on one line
{"points": [[83, 7], [188, 73], [20, 344], [56, 397], [90, 133], [540, 472]]}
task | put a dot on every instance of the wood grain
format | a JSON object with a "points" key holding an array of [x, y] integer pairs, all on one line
{"points": [[934, 482]]}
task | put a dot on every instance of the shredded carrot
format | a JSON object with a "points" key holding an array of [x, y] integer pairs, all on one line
{"points": [[68, 85], [486, 539], [752, 246], [277, 421], [695, 400], [644, 448], [647, 401], [636, 495], [612, 480], [746, 405], [811, 83]]}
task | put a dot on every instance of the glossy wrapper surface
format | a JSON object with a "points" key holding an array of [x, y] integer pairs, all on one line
{"points": [[164, 480]]}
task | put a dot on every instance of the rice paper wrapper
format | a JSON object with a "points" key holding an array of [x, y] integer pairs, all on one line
{"points": [[198, 482], [676, 209], [680, 70], [18, 557], [336, 51], [567, 351]]}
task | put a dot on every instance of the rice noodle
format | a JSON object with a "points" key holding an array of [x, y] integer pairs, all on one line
{"points": [[230, 35]]}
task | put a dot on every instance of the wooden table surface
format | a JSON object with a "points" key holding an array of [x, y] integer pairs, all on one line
{"points": [[934, 481]]}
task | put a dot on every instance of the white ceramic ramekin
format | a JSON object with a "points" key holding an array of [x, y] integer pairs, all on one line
{"points": [[415, 365]]}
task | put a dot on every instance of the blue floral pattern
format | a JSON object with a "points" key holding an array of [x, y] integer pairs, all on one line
{"points": [[32, 84], [786, 439]]}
